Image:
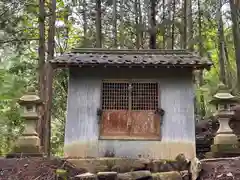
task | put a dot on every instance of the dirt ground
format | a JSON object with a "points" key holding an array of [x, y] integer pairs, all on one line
{"points": [[35, 169], [221, 169], [45, 169]]}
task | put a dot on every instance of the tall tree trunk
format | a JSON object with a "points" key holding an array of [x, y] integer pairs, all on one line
{"points": [[41, 62], [84, 22], [185, 20], [173, 23], [190, 45], [115, 23], [237, 3], [121, 31], [201, 52], [145, 23], [228, 67], [235, 12], [98, 24], [163, 20], [221, 48], [49, 76], [152, 30], [188, 24], [168, 27], [67, 27], [66, 35], [137, 24], [189, 38], [140, 24]]}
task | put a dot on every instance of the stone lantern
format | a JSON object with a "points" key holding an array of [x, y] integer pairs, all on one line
{"points": [[28, 144], [225, 140]]}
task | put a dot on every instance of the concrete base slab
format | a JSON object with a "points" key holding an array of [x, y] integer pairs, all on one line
{"points": [[129, 149]]}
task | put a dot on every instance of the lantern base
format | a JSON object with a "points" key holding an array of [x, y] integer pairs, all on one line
{"points": [[225, 138], [25, 151], [29, 141], [224, 150]]}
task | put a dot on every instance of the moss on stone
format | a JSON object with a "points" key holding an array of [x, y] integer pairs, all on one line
{"points": [[61, 173], [209, 155], [122, 165]]}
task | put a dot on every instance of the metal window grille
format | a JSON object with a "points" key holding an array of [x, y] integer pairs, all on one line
{"points": [[129, 96], [115, 96], [144, 96]]}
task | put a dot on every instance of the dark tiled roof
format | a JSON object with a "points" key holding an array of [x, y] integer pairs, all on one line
{"points": [[95, 57]]}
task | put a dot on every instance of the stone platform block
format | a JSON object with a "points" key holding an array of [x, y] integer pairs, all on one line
{"points": [[107, 176], [173, 175], [86, 176], [122, 165]]}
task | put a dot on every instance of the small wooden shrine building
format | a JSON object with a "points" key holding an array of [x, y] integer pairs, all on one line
{"points": [[130, 103]]}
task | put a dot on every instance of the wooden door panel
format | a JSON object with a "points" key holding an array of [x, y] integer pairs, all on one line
{"points": [[115, 123], [145, 124]]}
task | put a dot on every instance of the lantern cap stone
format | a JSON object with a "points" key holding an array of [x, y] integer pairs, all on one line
{"points": [[223, 95], [30, 98]]}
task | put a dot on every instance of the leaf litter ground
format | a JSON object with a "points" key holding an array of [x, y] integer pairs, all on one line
{"points": [[35, 169]]}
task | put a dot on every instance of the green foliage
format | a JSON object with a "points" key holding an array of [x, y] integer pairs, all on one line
{"points": [[61, 173], [10, 121]]}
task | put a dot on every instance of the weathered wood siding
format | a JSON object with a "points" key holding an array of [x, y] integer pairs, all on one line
{"points": [[176, 98]]}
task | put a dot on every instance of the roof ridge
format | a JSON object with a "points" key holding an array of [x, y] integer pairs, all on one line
{"points": [[130, 51]]}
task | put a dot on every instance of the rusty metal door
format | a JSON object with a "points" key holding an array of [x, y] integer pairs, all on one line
{"points": [[115, 123], [129, 111], [145, 125], [144, 104]]}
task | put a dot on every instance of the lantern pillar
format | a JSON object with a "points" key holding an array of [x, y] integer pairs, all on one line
{"points": [[28, 144], [225, 134], [225, 142]]}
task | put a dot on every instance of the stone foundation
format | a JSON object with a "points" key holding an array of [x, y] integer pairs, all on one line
{"points": [[123, 165], [129, 149]]}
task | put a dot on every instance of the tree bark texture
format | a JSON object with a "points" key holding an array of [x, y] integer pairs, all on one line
{"points": [[49, 77], [201, 52], [235, 12], [152, 30], [221, 49], [41, 62], [98, 24]]}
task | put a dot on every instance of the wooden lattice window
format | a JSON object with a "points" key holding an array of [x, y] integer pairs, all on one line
{"points": [[130, 96], [115, 96], [144, 96], [129, 110]]}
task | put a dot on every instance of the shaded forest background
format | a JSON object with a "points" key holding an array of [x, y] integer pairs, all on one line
{"points": [[32, 32]]}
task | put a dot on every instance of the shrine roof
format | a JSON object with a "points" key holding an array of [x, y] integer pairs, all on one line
{"points": [[129, 57]]}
